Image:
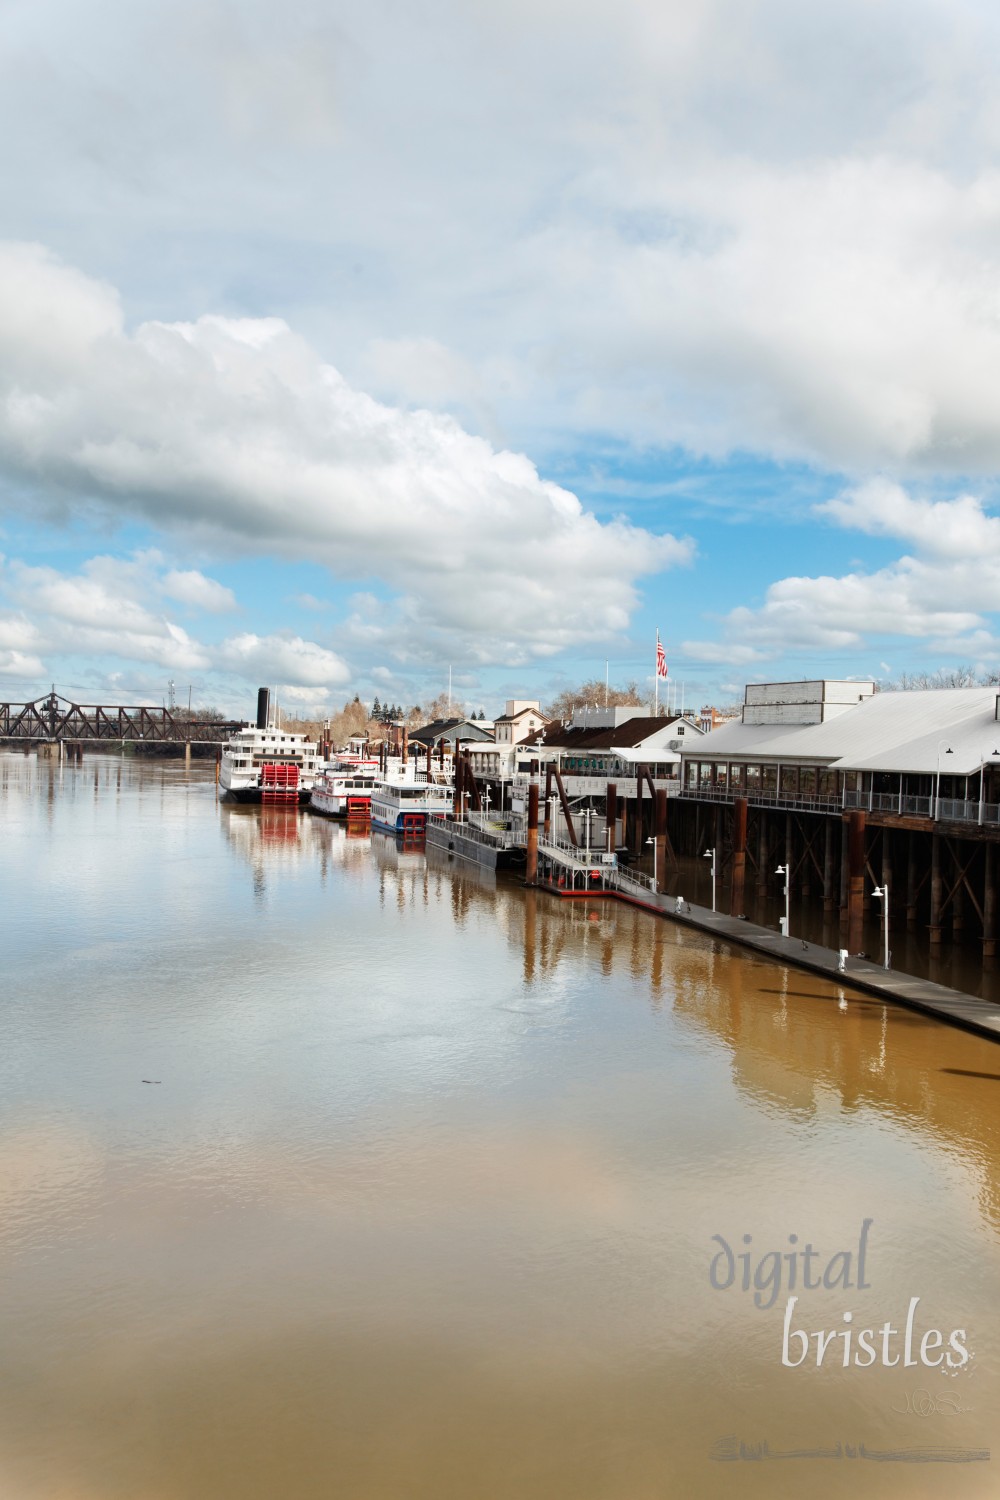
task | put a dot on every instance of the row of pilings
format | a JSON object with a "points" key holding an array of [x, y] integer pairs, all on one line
{"points": [[941, 879]]}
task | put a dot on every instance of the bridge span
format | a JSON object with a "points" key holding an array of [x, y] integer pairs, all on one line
{"points": [[53, 720]]}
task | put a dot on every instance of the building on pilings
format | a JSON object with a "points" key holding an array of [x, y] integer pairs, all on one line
{"points": [[850, 789]]}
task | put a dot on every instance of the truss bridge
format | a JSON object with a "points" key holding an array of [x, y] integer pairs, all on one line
{"points": [[52, 720]]}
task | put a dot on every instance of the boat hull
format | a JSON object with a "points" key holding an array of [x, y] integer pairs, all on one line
{"points": [[340, 807], [256, 794], [405, 822]]}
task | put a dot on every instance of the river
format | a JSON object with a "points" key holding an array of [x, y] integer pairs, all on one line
{"points": [[329, 1169]]}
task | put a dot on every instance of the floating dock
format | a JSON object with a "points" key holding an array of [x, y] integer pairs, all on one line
{"points": [[491, 846]]}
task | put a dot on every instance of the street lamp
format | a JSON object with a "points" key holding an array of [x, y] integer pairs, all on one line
{"points": [[882, 891], [588, 813], [553, 804], [710, 854], [937, 787], [486, 799], [785, 870]]}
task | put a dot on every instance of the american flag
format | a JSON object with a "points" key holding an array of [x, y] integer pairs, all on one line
{"points": [[661, 660]]}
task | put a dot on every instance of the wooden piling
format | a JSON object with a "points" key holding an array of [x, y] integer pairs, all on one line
{"points": [[611, 816], [458, 777], [531, 862], [989, 901], [935, 923], [660, 837], [844, 875], [635, 847], [911, 882], [829, 902], [855, 880], [739, 857]]}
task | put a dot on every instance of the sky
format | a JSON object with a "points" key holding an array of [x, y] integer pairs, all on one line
{"points": [[342, 346]]}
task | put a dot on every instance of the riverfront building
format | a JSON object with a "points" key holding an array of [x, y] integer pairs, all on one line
{"points": [[848, 789], [522, 719]]}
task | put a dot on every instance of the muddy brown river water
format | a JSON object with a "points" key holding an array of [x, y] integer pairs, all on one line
{"points": [[329, 1169]]}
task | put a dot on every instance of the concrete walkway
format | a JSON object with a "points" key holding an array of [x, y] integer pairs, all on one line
{"points": [[935, 1000]]}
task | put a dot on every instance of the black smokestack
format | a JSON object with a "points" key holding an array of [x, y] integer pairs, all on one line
{"points": [[263, 705]]}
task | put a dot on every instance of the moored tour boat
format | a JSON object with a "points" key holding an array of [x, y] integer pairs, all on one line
{"points": [[344, 788], [268, 765], [400, 803]]}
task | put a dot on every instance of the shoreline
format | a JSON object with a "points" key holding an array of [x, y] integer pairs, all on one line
{"points": [[937, 1001]]}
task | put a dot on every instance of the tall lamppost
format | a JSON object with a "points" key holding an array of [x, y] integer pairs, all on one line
{"points": [[588, 813], [710, 854], [937, 787], [882, 891], [786, 871], [553, 804]]}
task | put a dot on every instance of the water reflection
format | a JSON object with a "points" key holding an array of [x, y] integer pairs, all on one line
{"points": [[424, 1199]]}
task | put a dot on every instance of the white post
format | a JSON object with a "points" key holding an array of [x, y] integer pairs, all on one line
{"points": [[785, 870], [710, 854], [882, 891]]}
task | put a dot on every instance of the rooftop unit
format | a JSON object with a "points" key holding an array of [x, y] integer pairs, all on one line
{"points": [[802, 702], [605, 718]]}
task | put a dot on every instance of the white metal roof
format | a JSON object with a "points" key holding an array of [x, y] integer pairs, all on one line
{"points": [[911, 731]]}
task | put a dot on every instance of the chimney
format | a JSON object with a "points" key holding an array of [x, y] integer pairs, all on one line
{"points": [[263, 706]]}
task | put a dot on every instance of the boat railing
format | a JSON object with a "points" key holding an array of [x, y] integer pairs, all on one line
{"points": [[493, 838]]}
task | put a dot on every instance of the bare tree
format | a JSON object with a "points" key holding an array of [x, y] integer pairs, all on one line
{"points": [[945, 677], [592, 693]]}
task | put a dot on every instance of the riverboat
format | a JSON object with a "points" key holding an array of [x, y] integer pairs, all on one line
{"points": [[344, 788], [268, 765], [401, 803]]}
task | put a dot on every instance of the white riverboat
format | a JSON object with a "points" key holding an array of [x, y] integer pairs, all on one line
{"points": [[401, 802], [269, 765], [344, 787]]}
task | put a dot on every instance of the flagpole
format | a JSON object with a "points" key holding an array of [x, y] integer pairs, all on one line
{"points": [[656, 677]]}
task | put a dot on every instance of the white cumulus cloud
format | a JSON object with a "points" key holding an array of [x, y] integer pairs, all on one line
{"points": [[958, 528], [238, 431], [188, 586], [944, 593], [276, 658]]}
